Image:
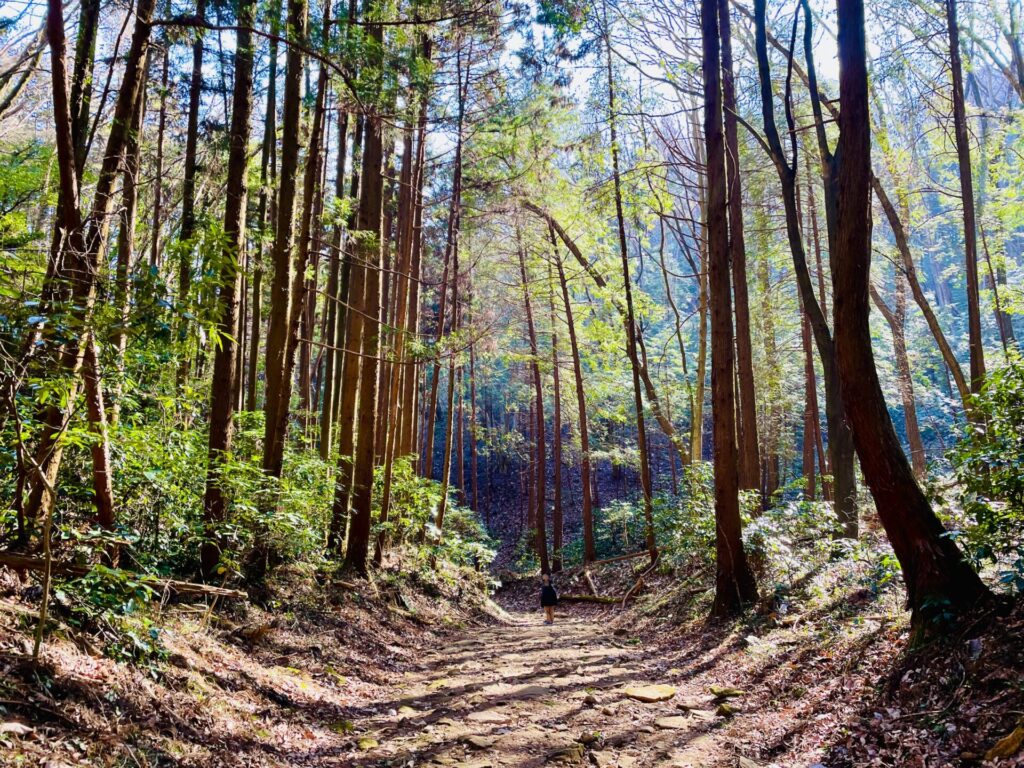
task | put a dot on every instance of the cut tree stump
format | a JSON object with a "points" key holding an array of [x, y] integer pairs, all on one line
{"points": [[25, 563]]}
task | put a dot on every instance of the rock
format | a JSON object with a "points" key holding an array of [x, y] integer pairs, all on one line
{"points": [[602, 759], [673, 723], [487, 716], [725, 693], [688, 705], [480, 742], [647, 729], [1008, 746], [607, 711], [342, 726], [702, 714], [571, 754], [590, 700], [589, 737], [407, 711], [366, 743], [15, 729], [649, 694], [746, 762], [727, 710]]}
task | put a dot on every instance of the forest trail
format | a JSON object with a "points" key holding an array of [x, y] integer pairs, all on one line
{"points": [[528, 694]]}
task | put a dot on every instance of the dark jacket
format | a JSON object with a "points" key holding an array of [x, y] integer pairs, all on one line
{"points": [[548, 596]]}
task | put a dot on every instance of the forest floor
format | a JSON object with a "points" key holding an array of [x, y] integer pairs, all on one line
{"points": [[406, 674]]}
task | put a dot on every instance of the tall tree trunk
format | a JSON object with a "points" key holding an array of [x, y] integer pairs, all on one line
{"points": [[538, 490], [222, 394], [749, 460], [910, 272], [155, 242], [406, 195], [631, 324], [556, 432], [410, 374], [369, 251], [350, 294], [938, 578], [268, 155], [332, 349], [896, 318], [282, 310], [839, 438], [82, 80], [126, 248], [84, 243], [963, 154], [810, 407], [589, 554], [188, 189], [734, 581]]}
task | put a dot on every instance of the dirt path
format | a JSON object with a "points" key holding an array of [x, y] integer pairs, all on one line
{"points": [[527, 694]]}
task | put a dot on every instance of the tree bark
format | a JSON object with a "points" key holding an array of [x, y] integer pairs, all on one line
{"points": [[556, 433], [938, 578], [734, 581], [282, 310], [589, 553], [538, 492], [369, 253], [896, 318], [222, 394], [963, 154], [749, 458]]}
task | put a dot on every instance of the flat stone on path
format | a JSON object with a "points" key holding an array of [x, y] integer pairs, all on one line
{"points": [[673, 723], [650, 694], [480, 742], [487, 716]]}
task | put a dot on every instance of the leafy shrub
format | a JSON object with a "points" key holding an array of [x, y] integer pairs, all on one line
{"points": [[989, 465]]}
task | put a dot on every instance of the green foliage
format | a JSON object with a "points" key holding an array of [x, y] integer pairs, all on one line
{"points": [[989, 466], [107, 601], [23, 177]]}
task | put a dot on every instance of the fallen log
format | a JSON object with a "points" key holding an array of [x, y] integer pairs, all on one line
{"points": [[589, 599], [615, 559], [26, 563]]}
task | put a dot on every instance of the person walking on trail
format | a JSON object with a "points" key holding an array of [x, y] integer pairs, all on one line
{"points": [[548, 599]]}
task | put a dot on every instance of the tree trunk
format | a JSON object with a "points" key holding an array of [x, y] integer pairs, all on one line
{"points": [[749, 459], [910, 272], [540, 474], [631, 324], [369, 251], [734, 581], [938, 578], [278, 365], [267, 177], [222, 395], [81, 250], [556, 432], [840, 440], [126, 247], [589, 555], [188, 189], [896, 318], [963, 154], [810, 407], [350, 294]]}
